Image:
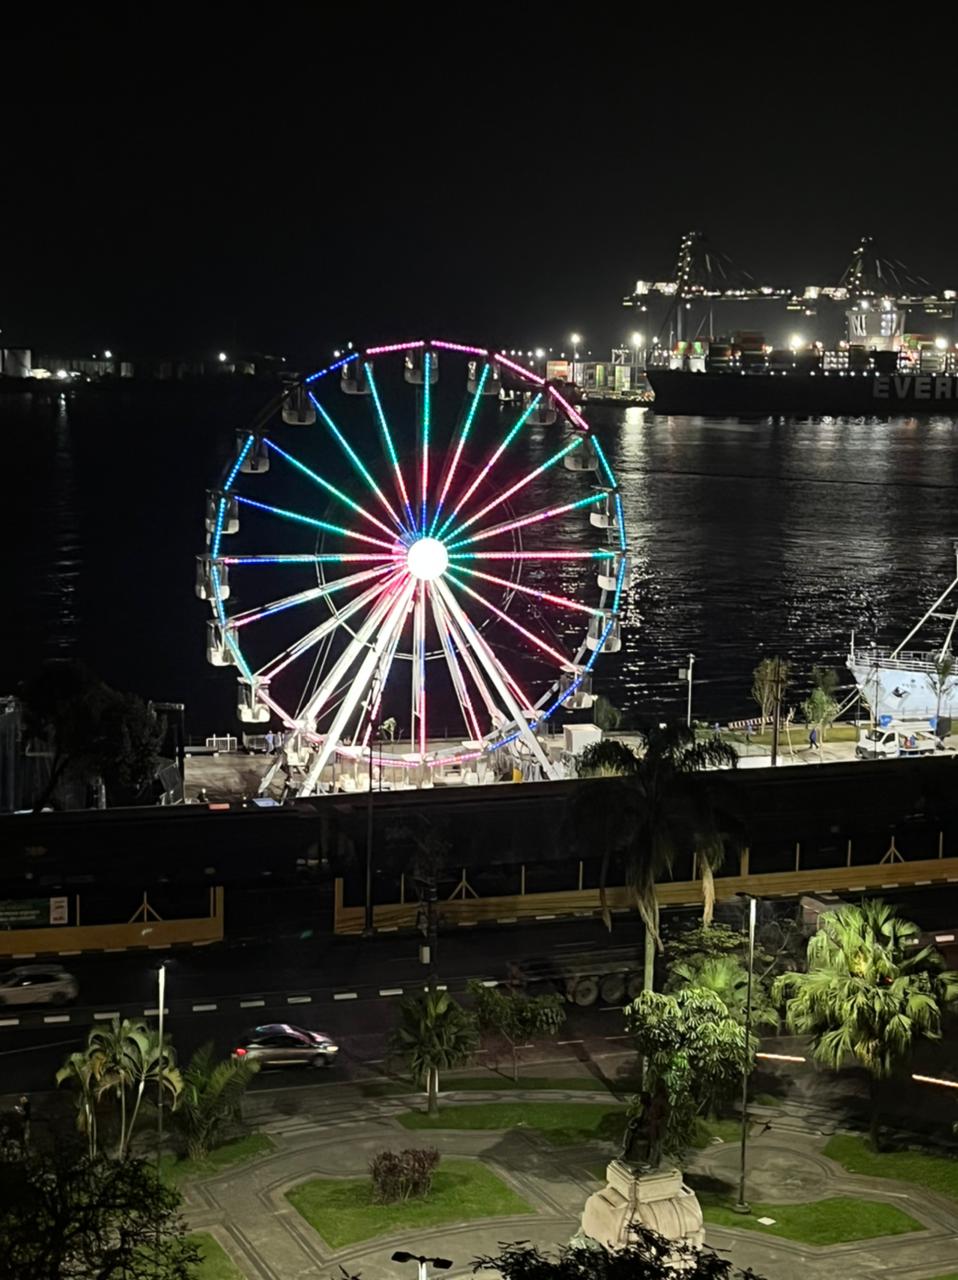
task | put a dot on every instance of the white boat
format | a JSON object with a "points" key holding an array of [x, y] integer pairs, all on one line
{"points": [[915, 681]]}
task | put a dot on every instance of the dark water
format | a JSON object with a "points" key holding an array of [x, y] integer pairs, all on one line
{"points": [[748, 539]]}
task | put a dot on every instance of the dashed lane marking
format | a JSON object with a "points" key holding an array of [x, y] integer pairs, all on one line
{"points": [[155, 1013], [618, 1037], [56, 1017], [9, 1022], [203, 1008], [345, 995], [564, 1042], [252, 1004], [101, 1016], [390, 991], [299, 999]]}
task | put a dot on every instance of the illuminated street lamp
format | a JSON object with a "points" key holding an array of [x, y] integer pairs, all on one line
{"points": [[796, 342], [161, 992], [941, 344], [222, 357], [441, 1264], [108, 355], [575, 339], [638, 344]]}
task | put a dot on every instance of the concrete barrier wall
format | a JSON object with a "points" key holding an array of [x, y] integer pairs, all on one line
{"points": [[139, 932]]}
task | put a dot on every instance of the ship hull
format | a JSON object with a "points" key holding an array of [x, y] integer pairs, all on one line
{"points": [[906, 691], [833, 394]]}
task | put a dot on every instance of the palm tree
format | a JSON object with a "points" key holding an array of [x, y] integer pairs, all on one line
{"points": [[434, 1034], [149, 1061], [128, 1055], [942, 683], [655, 813], [727, 978], [83, 1070], [212, 1092], [870, 993]]}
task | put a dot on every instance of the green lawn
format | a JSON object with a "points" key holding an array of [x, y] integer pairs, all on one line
{"points": [[491, 1082], [937, 1173], [253, 1144], [343, 1212], [727, 1130], [833, 1221], [565, 1124], [216, 1263]]}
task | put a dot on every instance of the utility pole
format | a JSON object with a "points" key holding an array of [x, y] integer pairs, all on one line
{"points": [[743, 1205], [685, 673]]}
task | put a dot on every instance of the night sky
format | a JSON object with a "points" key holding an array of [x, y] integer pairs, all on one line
{"points": [[183, 184]]}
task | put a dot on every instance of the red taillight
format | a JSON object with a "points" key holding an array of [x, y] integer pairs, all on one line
{"points": [[239, 1053]]}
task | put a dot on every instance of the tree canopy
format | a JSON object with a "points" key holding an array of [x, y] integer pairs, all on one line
{"points": [[870, 993], [694, 1053], [648, 1257], [66, 1215]]}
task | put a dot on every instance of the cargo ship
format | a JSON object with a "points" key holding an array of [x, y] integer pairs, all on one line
{"points": [[746, 378]]}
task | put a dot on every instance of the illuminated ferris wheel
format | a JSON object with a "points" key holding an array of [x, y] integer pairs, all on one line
{"points": [[439, 584]]}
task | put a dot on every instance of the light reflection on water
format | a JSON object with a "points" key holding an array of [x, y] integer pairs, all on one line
{"points": [[747, 538]]}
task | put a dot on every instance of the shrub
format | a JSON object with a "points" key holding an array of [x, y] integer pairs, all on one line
{"points": [[403, 1175]]}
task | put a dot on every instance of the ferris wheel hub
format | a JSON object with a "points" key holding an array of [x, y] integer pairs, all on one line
{"points": [[427, 559]]}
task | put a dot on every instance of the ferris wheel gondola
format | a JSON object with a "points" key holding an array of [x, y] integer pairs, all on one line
{"points": [[427, 567]]}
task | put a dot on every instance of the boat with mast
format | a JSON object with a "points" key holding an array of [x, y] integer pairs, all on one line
{"points": [[913, 684]]}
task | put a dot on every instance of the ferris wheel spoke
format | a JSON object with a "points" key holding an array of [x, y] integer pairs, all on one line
{"points": [[358, 644], [561, 658], [313, 637], [463, 436], [347, 558], [481, 475], [357, 462], [304, 597], [457, 556], [393, 619], [374, 701], [330, 488], [498, 677], [520, 484], [298, 518], [424, 440], [459, 642], [459, 685], [390, 447], [547, 596], [547, 513], [419, 666]]}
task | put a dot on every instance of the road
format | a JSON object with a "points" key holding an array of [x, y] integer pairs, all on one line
{"points": [[348, 987]]}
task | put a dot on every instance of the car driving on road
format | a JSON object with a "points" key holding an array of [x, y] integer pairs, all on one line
{"points": [[38, 984], [280, 1045]]}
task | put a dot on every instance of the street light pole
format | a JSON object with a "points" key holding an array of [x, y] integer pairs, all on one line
{"points": [[161, 987], [688, 676], [743, 1205], [441, 1264]]}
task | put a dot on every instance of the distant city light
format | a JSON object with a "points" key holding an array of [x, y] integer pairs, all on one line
{"points": [[796, 341], [941, 344], [62, 373], [222, 357], [540, 354], [575, 339], [108, 355], [638, 339]]}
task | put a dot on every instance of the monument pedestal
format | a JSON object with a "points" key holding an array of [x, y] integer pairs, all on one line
{"points": [[653, 1198]]}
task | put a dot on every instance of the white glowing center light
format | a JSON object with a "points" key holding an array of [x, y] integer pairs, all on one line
{"points": [[427, 559]]}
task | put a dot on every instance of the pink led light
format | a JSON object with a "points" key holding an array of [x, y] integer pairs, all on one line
{"points": [[531, 591], [517, 368], [351, 558], [533, 519], [574, 414], [519, 484], [458, 346], [394, 346], [526, 555], [553, 653]]}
